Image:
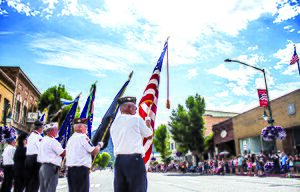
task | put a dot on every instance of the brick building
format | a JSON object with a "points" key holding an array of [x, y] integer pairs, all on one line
{"points": [[224, 137], [248, 125], [25, 97]]}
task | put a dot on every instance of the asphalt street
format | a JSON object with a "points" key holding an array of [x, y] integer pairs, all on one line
{"points": [[102, 181]]}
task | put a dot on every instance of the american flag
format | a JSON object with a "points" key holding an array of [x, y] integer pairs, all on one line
{"points": [[295, 57], [148, 103]]}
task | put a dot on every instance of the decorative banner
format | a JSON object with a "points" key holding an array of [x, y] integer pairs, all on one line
{"points": [[263, 97]]}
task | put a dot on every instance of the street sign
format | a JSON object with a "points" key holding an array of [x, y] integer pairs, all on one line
{"points": [[31, 117]]}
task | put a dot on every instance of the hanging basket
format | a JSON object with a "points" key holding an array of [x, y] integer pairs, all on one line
{"points": [[271, 133], [7, 134]]}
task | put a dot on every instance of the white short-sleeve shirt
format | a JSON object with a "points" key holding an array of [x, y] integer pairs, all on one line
{"points": [[79, 148], [127, 133], [33, 142], [8, 155], [50, 151]]}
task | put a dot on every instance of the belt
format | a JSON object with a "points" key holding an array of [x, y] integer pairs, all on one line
{"points": [[130, 155], [51, 164]]}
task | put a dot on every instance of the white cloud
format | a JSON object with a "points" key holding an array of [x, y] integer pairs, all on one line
{"points": [[289, 28], [284, 56], [82, 54], [192, 73], [222, 94], [237, 106], [239, 78], [254, 48], [22, 8], [287, 11]]}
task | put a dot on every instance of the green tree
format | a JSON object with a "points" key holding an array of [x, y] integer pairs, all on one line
{"points": [[52, 96], [162, 142], [104, 160], [187, 126]]}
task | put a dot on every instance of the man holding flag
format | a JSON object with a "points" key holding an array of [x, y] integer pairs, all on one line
{"points": [[79, 157], [127, 132]]}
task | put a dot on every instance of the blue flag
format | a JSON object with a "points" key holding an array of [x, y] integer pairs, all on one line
{"points": [[88, 110], [65, 130], [103, 133]]}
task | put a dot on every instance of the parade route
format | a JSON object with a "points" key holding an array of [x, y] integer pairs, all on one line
{"points": [[103, 181]]}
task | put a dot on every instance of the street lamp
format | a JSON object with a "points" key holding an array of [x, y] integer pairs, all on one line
{"points": [[270, 120]]}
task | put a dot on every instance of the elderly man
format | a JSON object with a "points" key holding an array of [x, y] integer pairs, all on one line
{"points": [[50, 156], [127, 132], [8, 163], [32, 167], [79, 157]]}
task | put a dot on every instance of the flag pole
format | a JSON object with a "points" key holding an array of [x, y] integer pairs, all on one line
{"points": [[297, 61], [168, 88]]}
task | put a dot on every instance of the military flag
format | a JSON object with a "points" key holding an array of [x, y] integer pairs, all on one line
{"points": [[88, 110], [44, 116], [65, 129], [103, 131], [148, 104]]}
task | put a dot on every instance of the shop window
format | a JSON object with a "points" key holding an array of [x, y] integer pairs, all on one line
{"points": [[18, 108], [5, 109], [24, 115]]}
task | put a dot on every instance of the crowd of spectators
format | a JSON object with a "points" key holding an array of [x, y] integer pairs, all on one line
{"points": [[250, 164]]}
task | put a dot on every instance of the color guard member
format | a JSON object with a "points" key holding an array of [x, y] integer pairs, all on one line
{"points": [[8, 163], [31, 165], [50, 156], [79, 157], [127, 132]]}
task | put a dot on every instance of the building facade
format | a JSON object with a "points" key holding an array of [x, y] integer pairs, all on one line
{"points": [[247, 127], [25, 98], [7, 88]]}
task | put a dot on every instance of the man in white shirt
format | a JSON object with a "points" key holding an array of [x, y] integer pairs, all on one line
{"points": [[50, 156], [127, 132], [32, 166], [79, 157], [8, 162]]}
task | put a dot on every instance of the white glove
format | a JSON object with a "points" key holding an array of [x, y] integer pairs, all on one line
{"points": [[100, 144]]}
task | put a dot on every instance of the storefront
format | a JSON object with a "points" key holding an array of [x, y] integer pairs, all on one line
{"points": [[247, 126], [224, 137]]}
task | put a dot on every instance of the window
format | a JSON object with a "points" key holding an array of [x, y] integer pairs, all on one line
{"points": [[24, 115], [172, 146], [18, 108], [5, 109]]}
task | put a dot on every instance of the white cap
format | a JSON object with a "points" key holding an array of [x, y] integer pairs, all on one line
{"points": [[51, 126]]}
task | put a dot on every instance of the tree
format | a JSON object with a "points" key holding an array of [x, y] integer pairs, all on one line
{"points": [[187, 126], [52, 97], [102, 160], [161, 142]]}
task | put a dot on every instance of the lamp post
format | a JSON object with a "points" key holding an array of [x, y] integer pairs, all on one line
{"points": [[270, 120]]}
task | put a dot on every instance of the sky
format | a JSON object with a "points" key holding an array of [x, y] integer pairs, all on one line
{"points": [[78, 42]]}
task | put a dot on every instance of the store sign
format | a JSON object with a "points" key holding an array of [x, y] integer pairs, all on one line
{"points": [[32, 117], [223, 133]]}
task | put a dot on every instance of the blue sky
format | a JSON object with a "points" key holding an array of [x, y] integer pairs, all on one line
{"points": [[75, 43]]}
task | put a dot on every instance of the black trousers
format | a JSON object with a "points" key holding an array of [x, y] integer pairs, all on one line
{"points": [[130, 174], [8, 178], [78, 179], [19, 183], [32, 168]]}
